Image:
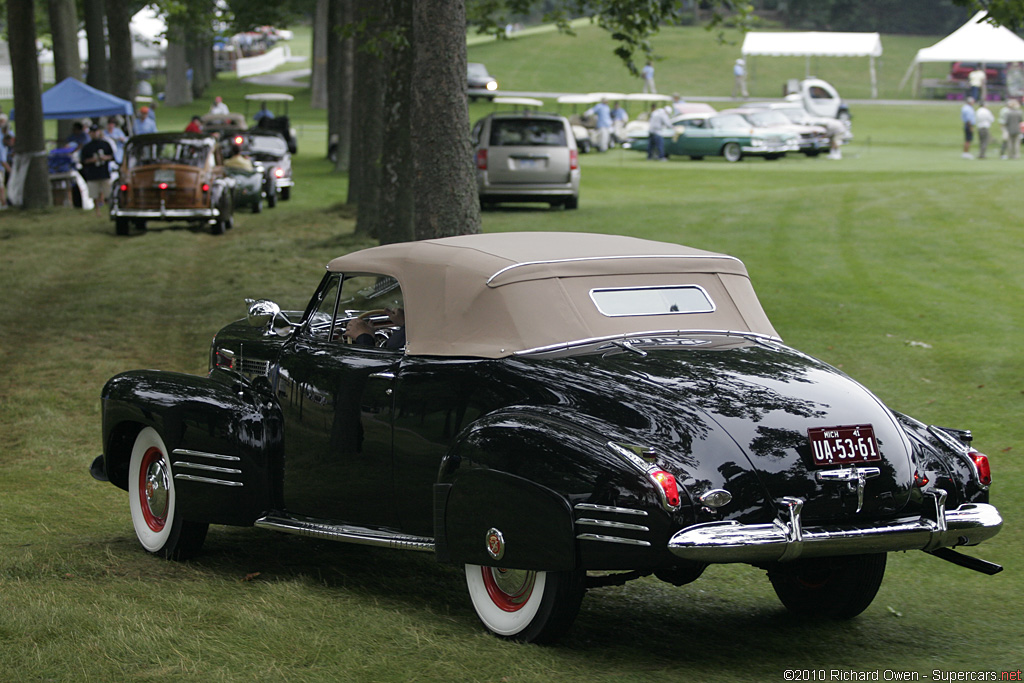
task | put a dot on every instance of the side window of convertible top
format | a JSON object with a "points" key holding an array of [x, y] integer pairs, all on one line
{"points": [[322, 319]]}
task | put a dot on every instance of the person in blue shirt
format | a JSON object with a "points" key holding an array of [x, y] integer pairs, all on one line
{"points": [[145, 122], [263, 113], [603, 112]]}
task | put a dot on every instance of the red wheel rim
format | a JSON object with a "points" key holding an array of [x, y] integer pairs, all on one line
{"points": [[153, 489], [509, 589]]}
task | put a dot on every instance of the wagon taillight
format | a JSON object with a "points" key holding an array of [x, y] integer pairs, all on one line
{"points": [[206, 187], [980, 461], [124, 187], [481, 159], [574, 160]]}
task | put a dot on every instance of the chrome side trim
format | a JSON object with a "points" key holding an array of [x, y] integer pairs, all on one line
{"points": [[613, 525], [632, 337], [207, 480], [612, 539], [208, 468], [609, 508], [787, 539], [200, 454], [608, 258], [349, 534]]}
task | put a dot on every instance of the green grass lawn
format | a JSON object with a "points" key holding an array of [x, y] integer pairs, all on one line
{"points": [[901, 241]]}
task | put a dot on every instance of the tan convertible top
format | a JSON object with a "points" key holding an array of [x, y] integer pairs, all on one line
{"points": [[495, 295]]}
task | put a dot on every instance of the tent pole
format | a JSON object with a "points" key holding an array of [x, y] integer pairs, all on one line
{"points": [[874, 77]]}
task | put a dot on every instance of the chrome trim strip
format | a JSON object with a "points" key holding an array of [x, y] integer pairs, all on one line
{"points": [[612, 539], [610, 508], [207, 480], [348, 534], [633, 336], [786, 539], [208, 468], [581, 259], [201, 454], [614, 525]]}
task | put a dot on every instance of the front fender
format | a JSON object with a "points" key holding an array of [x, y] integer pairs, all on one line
{"points": [[223, 434]]}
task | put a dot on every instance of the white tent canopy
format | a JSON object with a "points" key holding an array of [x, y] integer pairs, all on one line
{"points": [[975, 41], [816, 44]]}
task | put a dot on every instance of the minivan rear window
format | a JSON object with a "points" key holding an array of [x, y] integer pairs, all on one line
{"points": [[527, 133]]}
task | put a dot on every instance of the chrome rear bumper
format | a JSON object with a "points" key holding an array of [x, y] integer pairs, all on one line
{"points": [[786, 539]]}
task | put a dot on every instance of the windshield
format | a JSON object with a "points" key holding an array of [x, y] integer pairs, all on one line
{"points": [[768, 117], [729, 121], [187, 152], [527, 133]]}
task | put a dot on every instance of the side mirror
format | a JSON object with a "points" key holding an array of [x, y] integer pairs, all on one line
{"points": [[268, 315]]}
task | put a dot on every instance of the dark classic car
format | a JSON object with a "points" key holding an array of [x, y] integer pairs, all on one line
{"points": [[646, 418], [176, 177]]}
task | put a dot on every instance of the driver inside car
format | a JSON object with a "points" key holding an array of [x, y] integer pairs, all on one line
{"points": [[361, 331]]}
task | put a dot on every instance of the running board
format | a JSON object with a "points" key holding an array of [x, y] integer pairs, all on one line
{"points": [[347, 534]]}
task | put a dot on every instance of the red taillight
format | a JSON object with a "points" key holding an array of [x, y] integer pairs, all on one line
{"points": [[278, 172], [124, 188], [206, 187], [481, 159], [574, 160], [667, 482], [981, 464], [162, 186], [239, 140]]}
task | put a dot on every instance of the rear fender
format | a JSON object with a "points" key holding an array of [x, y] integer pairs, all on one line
{"points": [[524, 474], [223, 434]]}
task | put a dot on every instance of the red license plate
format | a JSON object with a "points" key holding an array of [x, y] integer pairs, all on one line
{"points": [[843, 445]]}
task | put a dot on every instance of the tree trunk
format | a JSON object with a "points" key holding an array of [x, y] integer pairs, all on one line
{"points": [[396, 218], [318, 81], [340, 76], [122, 69], [29, 147], [445, 182], [66, 61], [98, 75], [367, 116], [200, 56], [178, 91]]}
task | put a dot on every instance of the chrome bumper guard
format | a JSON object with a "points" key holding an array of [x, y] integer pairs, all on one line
{"points": [[188, 214], [786, 539]]}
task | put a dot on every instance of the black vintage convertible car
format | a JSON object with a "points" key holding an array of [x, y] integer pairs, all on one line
{"points": [[552, 411]]}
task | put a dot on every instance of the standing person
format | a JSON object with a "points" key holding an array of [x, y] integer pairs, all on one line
{"points": [[96, 156], [658, 122], [115, 136], [78, 136], [619, 120], [1015, 81], [648, 75], [218, 106], [5, 171], [1010, 118], [144, 122], [983, 120], [603, 113], [739, 75], [968, 119], [976, 81]]}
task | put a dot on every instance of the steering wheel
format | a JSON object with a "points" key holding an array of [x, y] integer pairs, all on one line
{"points": [[365, 316]]}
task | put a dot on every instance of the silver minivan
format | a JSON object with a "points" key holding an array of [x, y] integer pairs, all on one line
{"points": [[526, 157]]}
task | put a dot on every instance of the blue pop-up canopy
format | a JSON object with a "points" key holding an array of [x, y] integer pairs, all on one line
{"points": [[72, 99]]}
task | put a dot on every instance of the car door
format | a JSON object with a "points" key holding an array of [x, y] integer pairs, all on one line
{"points": [[696, 138], [336, 400]]}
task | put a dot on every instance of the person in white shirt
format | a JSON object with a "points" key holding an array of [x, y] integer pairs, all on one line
{"points": [[218, 106], [983, 120], [658, 123]]}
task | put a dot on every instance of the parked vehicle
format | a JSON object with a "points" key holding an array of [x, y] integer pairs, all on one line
{"points": [[536, 406], [812, 140], [176, 177], [726, 135], [526, 157], [819, 98], [480, 83]]}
